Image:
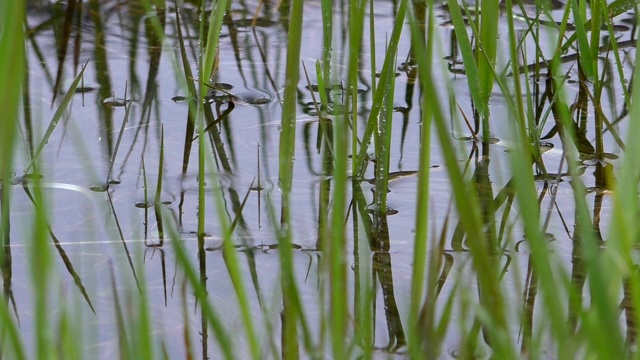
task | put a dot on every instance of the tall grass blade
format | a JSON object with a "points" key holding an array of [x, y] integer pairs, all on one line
{"points": [[123, 339], [193, 279], [232, 263], [383, 145], [378, 96], [286, 162], [191, 89], [112, 159], [583, 41], [493, 304], [143, 336], [56, 117], [207, 64], [486, 56], [157, 202], [63, 43], [12, 73], [417, 336], [525, 191], [34, 196], [123, 240], [624, 226], [468, 58], [615, 8]]}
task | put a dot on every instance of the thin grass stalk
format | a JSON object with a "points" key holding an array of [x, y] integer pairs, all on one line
{"points": [[364, 291], [363, 301], [286, 162], [597, 8], [124, 348], [12, 60], [537, 242], [468, 56], [372, 45], [200, 122], [40, 262], [210, 52], [289, 107], [112, 158], [584, 49], [356, 30], [156, 201], [383, 145], [207, 62], [378, 96], [40, 256], [143, 337], [615, 8], [525, 189], [488, 41], [337, 250], [295, 298], [495, 318], [616, 54], [327, 43], [11, 337], [417, 336], [68, 336], [12, 67], [233, 268], [519, 111], [325, 147], [12, 73], [624, 228], [323, 74], [603, 334], [602, 287], [156, 25], [191, 90], [56, 117], [526, 129], [186, 331], [200, 291]]}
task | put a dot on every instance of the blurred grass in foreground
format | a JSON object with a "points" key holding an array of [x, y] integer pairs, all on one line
{"points": [[488, 317]]}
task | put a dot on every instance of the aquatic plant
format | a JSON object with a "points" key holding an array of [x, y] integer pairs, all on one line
{"points": [[486, 223]]}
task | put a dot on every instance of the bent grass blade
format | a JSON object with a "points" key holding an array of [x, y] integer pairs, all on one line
{"points": [[56, 117]]}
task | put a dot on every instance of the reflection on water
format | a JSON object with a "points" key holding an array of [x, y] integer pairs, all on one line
{"points": [[130, 135]]}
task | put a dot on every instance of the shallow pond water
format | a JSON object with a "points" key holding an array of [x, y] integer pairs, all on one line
{"points": [[100, 176]]}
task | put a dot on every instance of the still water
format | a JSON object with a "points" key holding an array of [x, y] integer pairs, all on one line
{"points": [[126, 130]]}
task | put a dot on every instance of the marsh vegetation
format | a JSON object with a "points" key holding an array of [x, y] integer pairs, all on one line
{"points": [[319, 179]]}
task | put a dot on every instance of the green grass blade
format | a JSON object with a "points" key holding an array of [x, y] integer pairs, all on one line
{"points": [[624, 226], [488, 43], [615, 8], [422, 202], [378, 97], [583, 41], [468, 58], [286, 162], [235, 273], [56, 117], [192, 277], [525, 189], [123, 339], [212, 41], [468, 208]]}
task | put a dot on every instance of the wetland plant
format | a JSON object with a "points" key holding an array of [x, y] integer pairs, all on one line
{"points": [[471, 287]]}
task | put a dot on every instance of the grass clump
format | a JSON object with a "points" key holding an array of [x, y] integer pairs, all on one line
{"points": [[461, 284]]}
